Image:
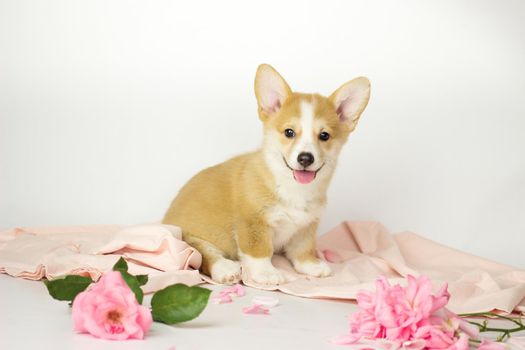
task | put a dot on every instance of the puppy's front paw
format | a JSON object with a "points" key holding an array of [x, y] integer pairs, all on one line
{"points": [[261, 270], [316, 268], [226, 271], [269, 275]]}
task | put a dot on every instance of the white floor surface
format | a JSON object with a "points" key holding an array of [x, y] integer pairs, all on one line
{"points": [[31, 319]]}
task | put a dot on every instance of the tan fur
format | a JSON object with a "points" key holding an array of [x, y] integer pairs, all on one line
{"points": [[301, 247], [236, 208], [225, 199]]}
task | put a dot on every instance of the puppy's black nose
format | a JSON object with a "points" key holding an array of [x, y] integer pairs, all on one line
{"points": [[305, 158]]}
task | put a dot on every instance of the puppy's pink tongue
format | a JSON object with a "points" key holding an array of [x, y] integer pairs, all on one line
{"points": [[304, 176]]}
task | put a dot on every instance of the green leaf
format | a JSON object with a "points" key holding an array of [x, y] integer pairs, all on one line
{"points": [[121, 265], [179, 303], [142, 279], [67, 288], [134, 285], [134, 282]]}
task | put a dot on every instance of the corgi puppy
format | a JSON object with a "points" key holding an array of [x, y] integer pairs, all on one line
{"points": [[242, 211]]}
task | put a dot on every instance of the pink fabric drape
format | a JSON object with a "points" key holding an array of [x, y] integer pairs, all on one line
{"points": [[358, 251]]}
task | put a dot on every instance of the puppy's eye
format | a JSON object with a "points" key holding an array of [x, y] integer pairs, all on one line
{"points": [[324, 136], [289, 133]]}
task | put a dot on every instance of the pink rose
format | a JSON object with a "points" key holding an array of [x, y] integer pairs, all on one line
{"points": [[408, 316], [108, 309]]}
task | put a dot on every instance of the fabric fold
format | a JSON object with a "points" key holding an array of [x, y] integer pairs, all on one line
{"points": [[357, 251], [366, 250], [50, 252]]}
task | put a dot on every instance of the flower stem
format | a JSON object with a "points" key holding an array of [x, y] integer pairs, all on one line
{"points": [[505, 333], [517, 321], [483, 328]]}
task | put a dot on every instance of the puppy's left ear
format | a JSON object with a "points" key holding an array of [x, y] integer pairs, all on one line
{"points": [[351, 99]]}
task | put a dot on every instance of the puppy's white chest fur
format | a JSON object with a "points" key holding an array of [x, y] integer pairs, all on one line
{"points": [[290, 215]]}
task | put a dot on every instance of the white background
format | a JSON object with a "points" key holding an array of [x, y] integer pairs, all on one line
{"points": [[108, 107]]}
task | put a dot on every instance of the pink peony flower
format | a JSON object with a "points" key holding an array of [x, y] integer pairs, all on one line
{"points": [[460, 344], [108, 309], [408, 316], [411, 318]]}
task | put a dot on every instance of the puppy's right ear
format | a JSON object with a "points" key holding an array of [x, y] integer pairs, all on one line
{"points": [[270, 89]]}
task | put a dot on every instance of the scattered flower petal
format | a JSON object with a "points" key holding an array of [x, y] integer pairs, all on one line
{"points": [[346, 339], [225, 295], [487, 344], [221, 299], [237, 290], [256, 310], [378, 344], [331, 256]]}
